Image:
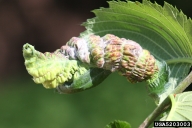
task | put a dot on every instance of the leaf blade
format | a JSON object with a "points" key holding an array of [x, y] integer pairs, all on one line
{"points": [[164, 31], [181, 109]]}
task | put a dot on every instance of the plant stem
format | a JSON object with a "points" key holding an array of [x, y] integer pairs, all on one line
{"points": [[167, 102], [155, 113]]}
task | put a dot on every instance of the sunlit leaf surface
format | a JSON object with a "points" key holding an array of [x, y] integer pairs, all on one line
{"points": [[181, 109], [164, 31]]}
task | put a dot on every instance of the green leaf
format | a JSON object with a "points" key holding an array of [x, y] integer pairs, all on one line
{"points": [[165, 31], [118, 124], [181, 109], [89, 79]]}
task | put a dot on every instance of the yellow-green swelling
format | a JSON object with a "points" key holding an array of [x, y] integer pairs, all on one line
{"points": [[50, 69]]}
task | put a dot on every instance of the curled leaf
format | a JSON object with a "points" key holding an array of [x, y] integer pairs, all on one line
{"points": [[115, 54], [72, 67]]}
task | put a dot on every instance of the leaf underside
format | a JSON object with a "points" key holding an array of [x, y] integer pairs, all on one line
{"points": [[181, 109], [165, 31]]}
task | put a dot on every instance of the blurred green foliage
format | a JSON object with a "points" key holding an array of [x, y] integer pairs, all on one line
{"points": [[25, 104]]}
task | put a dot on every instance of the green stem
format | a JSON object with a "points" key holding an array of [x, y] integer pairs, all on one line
{"points": [[179, 60], [167, 102], [156, 113]]}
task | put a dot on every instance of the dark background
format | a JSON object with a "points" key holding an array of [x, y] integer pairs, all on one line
{"points": [[49, 24]]}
